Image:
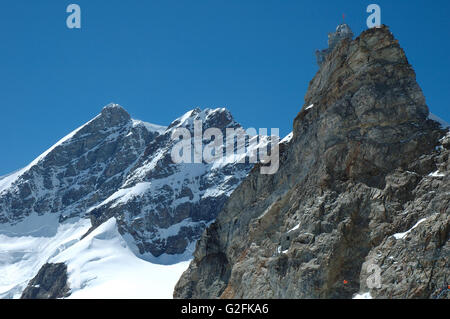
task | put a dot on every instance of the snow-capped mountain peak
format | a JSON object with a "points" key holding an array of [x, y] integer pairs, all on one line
{"points": [[206, 116], [114, 167]]}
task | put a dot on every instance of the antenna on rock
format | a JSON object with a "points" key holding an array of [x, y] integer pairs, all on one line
{"points": [[343, 17]]}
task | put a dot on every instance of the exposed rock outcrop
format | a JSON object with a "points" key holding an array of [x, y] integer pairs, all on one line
{"points": [[49, 283], [365, 163]]}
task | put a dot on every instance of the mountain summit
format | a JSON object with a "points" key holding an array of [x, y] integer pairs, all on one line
{"points": [[111, 181], [360, 204]]}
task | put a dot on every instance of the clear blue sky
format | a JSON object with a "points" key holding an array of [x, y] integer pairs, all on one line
{"points": [[161, 58]]}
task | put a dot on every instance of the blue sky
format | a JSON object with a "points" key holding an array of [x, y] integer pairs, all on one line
{"points": [[160, 58]]}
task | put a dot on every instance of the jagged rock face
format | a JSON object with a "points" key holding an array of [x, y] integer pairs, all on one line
{"points": [[355, 173], [164, 206], [49, 283]]}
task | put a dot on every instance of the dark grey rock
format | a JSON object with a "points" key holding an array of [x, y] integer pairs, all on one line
{"points": [[49, 283]]}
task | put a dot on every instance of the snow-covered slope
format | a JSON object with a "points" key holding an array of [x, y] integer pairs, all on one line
{"points": [[100, 265], [112, 183], [23, 251]]}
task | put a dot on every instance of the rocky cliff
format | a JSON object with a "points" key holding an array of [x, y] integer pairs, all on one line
{"points": [[49, 283], [360, 203]]}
